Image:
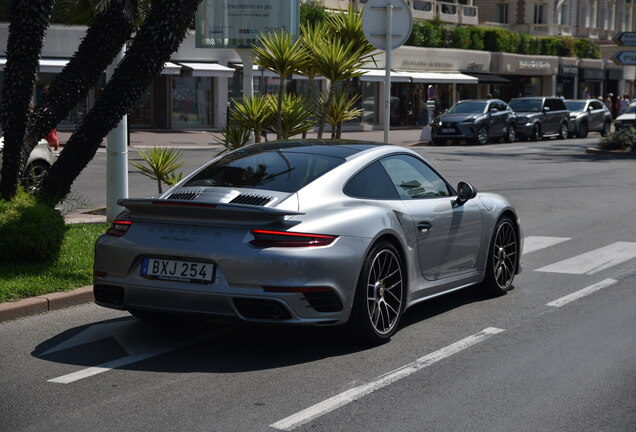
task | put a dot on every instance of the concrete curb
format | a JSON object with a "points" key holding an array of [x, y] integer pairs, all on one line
{"points": [[44, 303], [593, 150]]}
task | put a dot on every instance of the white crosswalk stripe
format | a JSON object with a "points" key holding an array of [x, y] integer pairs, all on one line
{"points": [[594, 261], [535, 243]]}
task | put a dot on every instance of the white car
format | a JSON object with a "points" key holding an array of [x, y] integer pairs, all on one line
{"points": [[39, 163], [627, 119]]}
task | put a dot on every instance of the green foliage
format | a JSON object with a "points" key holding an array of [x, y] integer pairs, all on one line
{"points": [[73, 267], [161, 164], [252, 114], [296, 117], [312, 12], [623, 139], [340, 109], [29, 231], [234, 136], [435, 35]]}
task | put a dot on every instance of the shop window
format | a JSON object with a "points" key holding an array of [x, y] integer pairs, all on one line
{"points": [[191, 101], [141, 112], [420, 5], [564, 15], [501, 13], [74, 117], [370, 102]]}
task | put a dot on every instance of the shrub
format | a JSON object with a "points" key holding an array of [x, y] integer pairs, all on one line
{"points": [[29, 231], [622, 139]]}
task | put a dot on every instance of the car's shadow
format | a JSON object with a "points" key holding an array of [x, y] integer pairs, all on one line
{"points": [[195, 345]]}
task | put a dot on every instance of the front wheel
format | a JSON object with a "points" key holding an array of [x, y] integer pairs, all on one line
{"points": [[502, 258], [34, 174], [380, 295], [606, 129], [583, 130], [563, 131], [511, 134], [482, 136], [535, 135]]}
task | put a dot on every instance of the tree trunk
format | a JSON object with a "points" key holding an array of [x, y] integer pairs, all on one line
{"points": [[29, 21], [103, 40], [309, 92], [279, 107], [160, 35], [323, 116]]}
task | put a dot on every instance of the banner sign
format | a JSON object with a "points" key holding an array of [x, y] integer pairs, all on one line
{"points": [[238, 23]]}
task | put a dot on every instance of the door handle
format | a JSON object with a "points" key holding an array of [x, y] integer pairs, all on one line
{"points": [[424, 226]]}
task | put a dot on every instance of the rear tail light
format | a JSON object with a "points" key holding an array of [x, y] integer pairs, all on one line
{"points": [[268, 238], [119, 228]]}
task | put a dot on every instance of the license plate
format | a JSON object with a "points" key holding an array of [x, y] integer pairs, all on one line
{"points": [[448, 130], [176, 270]]}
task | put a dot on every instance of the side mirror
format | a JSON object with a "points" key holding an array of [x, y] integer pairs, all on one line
{"points": [[546, 108], [465, 192], [493, 110]]}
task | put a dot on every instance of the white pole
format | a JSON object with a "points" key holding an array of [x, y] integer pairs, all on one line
{"points": [[387, 73], [116, 157], [248, 76]]}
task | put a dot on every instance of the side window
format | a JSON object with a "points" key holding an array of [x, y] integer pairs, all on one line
{"points": [[413, 179], [547, 103], [596, 105], [371, 183], [559, 105]]}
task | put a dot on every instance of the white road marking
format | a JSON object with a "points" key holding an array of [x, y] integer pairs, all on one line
{"points": [[105, 367], [582, 293], [356, 393], [594, 261], [535, 243]]}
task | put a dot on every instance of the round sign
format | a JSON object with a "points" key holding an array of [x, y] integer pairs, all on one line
{"points": [[374, 23]]}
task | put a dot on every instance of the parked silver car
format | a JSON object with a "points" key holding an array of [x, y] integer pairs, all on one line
{"points": [[307, 232], [40, 161], [588, 115]]}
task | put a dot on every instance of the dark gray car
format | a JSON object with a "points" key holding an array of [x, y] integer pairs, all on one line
{"points": [[476, 121], [588, 115], [539, 117]]}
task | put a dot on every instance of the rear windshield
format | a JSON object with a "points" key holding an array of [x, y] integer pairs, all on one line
{"points": [[468, 108], [525, 105], [272, 170]]}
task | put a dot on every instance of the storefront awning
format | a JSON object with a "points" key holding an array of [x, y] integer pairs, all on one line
{"points": [[170, 68], [46, 65], [441, 77], [377, 75], [209, 70], [488, 78]]}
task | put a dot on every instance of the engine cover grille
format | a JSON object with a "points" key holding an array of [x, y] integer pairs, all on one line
{"points": [[252, 199]]}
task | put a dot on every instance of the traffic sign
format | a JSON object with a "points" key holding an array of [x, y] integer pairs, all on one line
{"points": [[375, 25], [626, 58], [625, 38]]}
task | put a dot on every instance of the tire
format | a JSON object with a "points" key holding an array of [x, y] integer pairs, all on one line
{"points": [[511, 134], [583, 130], [380, 296], [481, 138], [535, 135], [502, 258], [606, 129], [34, 174], [563, 131]]}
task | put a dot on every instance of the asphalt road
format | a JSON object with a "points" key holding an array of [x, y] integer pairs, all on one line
{"points": [[557, 353]]}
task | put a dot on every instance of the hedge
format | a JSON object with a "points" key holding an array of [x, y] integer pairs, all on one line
{"points": [[434, 35]]}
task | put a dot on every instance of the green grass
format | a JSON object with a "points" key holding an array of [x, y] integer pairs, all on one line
{"points": [[72, 269]]}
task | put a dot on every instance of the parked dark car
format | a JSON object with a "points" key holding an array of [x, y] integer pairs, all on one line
{"points": [[588, 115], [539, 117], [627, 119], [476, 121]]}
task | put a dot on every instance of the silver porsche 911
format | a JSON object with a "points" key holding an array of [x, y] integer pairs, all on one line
{"points": [[307, 232]]}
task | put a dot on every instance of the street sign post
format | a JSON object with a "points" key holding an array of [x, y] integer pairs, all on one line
{"points": [[625, 58], [387, 25], [625, 38]]}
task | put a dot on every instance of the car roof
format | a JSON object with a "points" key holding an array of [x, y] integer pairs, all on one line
{"points": [[336, 148]]}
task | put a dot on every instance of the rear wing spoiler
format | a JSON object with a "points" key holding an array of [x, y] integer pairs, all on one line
{"points": [[151, 209]]}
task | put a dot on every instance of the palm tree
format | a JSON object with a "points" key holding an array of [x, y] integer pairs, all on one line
{"points": [[278, 52], [161, 164], [312, 34], [29, 21], [159, 36], [111, 24], [296, 116], [253, 114], [340, 110]]}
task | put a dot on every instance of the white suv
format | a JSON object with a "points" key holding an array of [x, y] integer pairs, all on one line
{"points": [[39, 163]]}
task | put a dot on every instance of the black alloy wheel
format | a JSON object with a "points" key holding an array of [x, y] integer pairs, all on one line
{"points": [[583, 130], [34, 174], [380, 295], [502, 258]]}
